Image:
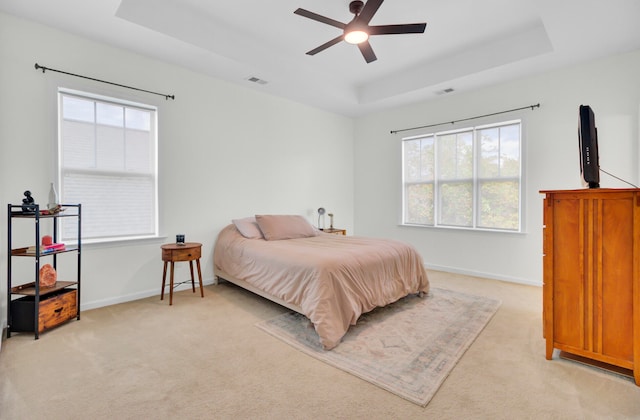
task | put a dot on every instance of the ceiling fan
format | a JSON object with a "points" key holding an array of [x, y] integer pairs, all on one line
{"points": [[358, 30]]}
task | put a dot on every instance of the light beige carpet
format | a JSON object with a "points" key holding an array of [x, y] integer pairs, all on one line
{"points": [[203, 358], [408, 348]]}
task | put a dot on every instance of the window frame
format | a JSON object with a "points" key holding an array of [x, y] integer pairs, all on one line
{"points": [[436, 182], [117, 99]]}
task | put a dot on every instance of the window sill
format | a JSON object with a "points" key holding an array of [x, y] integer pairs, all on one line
{"points": [[465, 229], [122, 242]]}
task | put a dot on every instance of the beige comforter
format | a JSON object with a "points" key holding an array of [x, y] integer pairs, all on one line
{"points": [[333, 279]]}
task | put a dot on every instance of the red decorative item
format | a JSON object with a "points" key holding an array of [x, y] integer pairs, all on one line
{"points": [[48, 276], [47, 240]]}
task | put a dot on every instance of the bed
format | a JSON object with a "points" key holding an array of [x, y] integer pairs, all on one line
{"points": [[331, 279]]}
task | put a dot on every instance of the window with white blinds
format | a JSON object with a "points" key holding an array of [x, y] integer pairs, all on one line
{"points": [[107, 161]]}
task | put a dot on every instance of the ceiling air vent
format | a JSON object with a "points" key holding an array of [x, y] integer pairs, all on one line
{"points": [[443, 91], [257, 80]]}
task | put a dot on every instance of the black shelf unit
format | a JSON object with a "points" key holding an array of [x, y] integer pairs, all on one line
{"points": [[32, 294]]}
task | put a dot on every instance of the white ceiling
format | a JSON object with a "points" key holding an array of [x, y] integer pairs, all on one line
{"points": [[467, 43]]}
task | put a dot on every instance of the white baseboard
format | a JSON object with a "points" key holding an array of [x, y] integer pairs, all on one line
{"points": [[85, 306], [154, 292], [138, 295], [481, 274]]}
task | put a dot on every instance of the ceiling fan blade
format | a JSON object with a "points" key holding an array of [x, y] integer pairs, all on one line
{"points": [[370, 8], [326, 45], [319, 18], [367, 51], [408, 28]]}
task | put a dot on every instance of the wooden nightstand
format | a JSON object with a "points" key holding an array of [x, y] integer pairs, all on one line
{"points": [[189, 251], [335, 231]]}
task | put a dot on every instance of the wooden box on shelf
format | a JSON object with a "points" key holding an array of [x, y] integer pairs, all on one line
{"points": [[54, 309]]}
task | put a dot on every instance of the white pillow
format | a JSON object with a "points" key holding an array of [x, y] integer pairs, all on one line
{"points": [[248, 228], [276, 227]]}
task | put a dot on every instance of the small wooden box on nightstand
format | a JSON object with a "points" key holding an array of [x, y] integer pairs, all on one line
{"points": [[335, 231]]}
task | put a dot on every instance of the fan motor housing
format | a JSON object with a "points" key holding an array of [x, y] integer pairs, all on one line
{"points": [[355, 7]]}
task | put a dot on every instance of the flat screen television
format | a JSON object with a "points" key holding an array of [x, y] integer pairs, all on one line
{"points": [[588, 139]]}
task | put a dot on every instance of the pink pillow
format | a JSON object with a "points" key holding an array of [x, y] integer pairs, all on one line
{"points": [[248, 228], [276, 227]]}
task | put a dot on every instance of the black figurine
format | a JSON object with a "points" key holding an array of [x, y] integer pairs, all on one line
{"points": [[28, 203]]}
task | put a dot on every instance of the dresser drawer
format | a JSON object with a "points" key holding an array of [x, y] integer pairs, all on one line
{"points": [[187, 254], [53, 310]]}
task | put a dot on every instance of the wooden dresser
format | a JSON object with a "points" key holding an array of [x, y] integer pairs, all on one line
{"points": [[591, 291]]}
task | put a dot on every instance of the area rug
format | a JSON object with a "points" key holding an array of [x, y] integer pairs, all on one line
{"points": [[407, 348]]}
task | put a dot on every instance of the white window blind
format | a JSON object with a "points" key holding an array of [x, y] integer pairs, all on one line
{"points": [[108, 163], [468, 178]]}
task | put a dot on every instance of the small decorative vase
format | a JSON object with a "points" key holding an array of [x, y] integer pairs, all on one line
{"points": [[53, 198]]}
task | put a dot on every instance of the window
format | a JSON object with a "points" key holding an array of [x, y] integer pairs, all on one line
{"points": [[467, 178], [107, 161]]}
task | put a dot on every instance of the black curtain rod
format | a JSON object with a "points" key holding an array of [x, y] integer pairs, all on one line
{"points": [[467, 119], [38, 67]]}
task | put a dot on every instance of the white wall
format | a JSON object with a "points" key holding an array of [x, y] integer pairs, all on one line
{"points": [[611, 86], [225, 151]]}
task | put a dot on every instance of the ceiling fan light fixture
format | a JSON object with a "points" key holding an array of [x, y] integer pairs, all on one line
{"points": [[356, 36], [358, 30]]}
